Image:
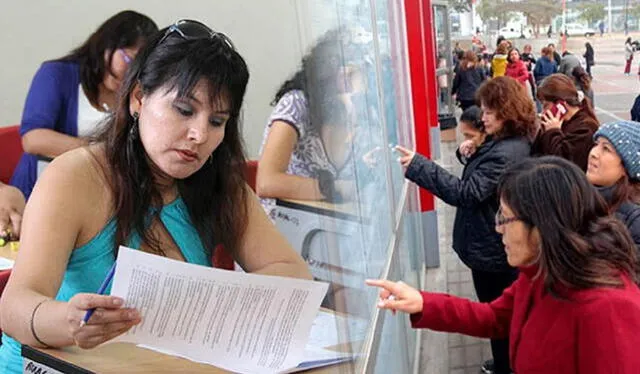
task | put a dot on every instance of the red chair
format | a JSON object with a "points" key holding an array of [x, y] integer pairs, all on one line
{"points": [[221, 259], [4, 278], [10, 151], [251, 172]]}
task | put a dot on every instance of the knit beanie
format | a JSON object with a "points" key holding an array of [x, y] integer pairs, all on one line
{"points": [[625, 138]]}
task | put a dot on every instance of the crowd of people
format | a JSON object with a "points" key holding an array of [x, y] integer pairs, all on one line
{"points": [[547, 218]]}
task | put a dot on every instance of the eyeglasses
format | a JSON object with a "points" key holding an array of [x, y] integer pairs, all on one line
{"points": [[194, 30], [128, 59], [502, 220]]}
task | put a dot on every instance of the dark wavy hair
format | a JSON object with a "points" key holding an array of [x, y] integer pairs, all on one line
{"points": [[559, 87], [124, 30], [321, 76], [582, 246], [512, 104], [215, 195]]}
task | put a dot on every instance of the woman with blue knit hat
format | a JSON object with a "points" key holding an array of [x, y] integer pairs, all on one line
{"points": [[614, 168]]}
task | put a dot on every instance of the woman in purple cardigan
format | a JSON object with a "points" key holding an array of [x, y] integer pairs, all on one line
{"points": [[69, 96]]}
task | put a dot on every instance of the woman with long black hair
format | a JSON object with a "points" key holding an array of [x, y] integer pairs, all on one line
{"points": [[70, 96]]}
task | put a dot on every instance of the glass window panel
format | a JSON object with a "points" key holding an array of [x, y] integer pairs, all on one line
{"points": [[346, 241]]}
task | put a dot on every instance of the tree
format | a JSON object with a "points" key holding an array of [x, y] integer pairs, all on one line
{"points": [[538, 12], [635, 11], [460, 5], [491, 10], [591, 12]]}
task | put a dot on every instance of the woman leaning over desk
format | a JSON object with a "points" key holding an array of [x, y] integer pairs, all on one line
{"points": [[575, 307], [306, 149], [166, 178], [69, 96]]}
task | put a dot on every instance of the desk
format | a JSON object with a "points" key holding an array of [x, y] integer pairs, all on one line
{"points": [[6, 252], [123, 358], [332, 239]]}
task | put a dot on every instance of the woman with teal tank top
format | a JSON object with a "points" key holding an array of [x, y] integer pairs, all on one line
{"points": [[164, 176]]}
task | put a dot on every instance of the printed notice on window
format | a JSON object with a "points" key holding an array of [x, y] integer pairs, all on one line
{"points": [[236, 321]]}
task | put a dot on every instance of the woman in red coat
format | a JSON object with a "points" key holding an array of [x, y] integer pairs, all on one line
{"points": [[516, 68], [575, 307]]}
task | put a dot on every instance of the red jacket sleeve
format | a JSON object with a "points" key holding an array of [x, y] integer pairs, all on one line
{"points": [[608, 338], [442, 312]]}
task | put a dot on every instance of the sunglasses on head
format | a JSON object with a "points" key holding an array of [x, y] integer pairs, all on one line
{"points": [[194, 30]]}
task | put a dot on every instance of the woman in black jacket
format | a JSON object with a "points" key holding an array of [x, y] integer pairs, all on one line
{"points": [[614, 168], [589, 57], [468, 79], [509, 121]]}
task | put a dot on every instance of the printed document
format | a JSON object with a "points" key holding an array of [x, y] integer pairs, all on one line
{"points": [[236, 321]]}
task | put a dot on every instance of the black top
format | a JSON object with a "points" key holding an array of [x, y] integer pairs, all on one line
{"points": [[466, 83], [475, 239], [627, 212], [528, 60]]}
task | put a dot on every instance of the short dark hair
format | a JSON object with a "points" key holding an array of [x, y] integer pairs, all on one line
{"points": [[124, 30], [473, 116], [509, 54], [512, 104], [582, 246]]}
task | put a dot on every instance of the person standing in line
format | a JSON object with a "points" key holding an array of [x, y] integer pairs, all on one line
{"points": [[499, 60], [545, 66], [554, 54], [590, 58], [467, 80], [516, 68], [628, 56], [583, 81], [614, 169], [569, 62], [529, 60], [568, 122]]}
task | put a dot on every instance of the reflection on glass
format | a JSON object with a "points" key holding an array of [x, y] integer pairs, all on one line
{"points": [[337, 196], [444, 58]]}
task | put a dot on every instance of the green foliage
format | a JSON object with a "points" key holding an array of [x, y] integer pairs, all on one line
{"points": [[591, 12], [460, 5]]}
